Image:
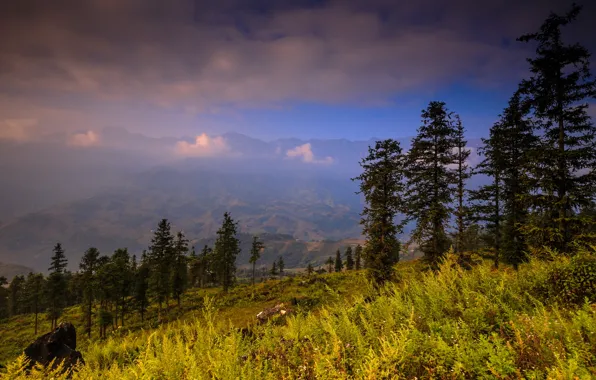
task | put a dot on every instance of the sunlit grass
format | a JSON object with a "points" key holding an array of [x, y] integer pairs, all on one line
{"points": [[480, 323]]}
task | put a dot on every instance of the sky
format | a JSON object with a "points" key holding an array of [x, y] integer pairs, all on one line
{"points": [[265, 68]]}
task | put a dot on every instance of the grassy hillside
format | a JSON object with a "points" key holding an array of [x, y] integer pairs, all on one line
{"points": [[480, 323]]}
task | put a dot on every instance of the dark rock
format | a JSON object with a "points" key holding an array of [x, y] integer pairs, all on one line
{"points": [[59, 344]]}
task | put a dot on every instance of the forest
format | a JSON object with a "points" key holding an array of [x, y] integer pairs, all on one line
{"points": [[505, 287]]}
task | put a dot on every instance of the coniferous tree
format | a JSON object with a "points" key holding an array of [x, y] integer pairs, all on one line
{"points": [[141, 286], [226, 249], [3, 298], [255, 254], [381, 183], [158, 258], [281, 265], [105, 291], [463, 173], [179, 275], [15, 294], [349, 259], [34, 286], [557, 94], [57, 284], [206, 267], [339, 265], [358, 257], [330, 262], [122, 274], [273, 270], [309, 269], [487, 200], [431, 183], [518, 153], [88, 266]]}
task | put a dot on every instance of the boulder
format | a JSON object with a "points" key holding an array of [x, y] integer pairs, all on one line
{"points": [[277, 310], [59, 344]]}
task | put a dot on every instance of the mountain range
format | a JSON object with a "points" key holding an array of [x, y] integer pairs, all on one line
{"points": [[112, 194]]}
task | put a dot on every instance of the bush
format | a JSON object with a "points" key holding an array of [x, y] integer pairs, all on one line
{"points": [[573, 283]]}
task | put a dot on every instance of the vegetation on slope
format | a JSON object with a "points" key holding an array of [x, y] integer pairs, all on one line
{"points": [[455, 323]]}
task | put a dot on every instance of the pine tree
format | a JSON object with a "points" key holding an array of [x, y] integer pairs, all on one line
{"points": [[273, 270], [158, 258], [339, 265], [330, 262], [431, 182], [179, 274], [349, 259], [281, 265], [463, 173], [255, 254], [15, 294], [226, 249], [34, 286], [57, 284], [88, 266], [358, 257], [141, 286], [122, 275], [517, 152], [381, 183], [557, 94], [206, 267], [309, 269], [105, 293]]}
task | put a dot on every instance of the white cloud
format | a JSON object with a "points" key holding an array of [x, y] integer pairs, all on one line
{"points": [[88, 138], [17, 129], [203, 146], [306, 154]]}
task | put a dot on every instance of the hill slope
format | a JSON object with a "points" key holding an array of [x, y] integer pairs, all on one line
{"points": [[478, 323]]}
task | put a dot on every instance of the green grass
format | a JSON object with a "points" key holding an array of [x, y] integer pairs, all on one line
{"points": [[456, 324]]}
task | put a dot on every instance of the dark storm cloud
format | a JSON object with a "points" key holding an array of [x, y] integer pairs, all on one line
{"points": [[199, 55]]}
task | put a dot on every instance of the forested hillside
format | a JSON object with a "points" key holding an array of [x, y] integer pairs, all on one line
{"points": [[505, 286]]}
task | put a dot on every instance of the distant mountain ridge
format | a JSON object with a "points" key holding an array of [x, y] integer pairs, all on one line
{"points": [[194, 201]]}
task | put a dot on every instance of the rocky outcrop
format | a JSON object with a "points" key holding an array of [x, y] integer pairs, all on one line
{"points": [[59, 344], [277, 310]]}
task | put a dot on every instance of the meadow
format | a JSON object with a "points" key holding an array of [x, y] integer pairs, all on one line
{"points": [[537, 323]]}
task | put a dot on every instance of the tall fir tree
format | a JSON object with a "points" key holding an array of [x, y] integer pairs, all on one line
{"points": [[463, 173], [122, 275], [15, 294], [281, 265], [487, 202], [339, 264], [358, 257], [431, 183], [309, 269], [558, 93], [226, 249], [273, 270], [382, 185], [57, 284], [179, 270], [255, 254], [159, 261], [34, 286], [330, 262], [518, 153], [88, 266], [141, 286], [349, 258]]}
